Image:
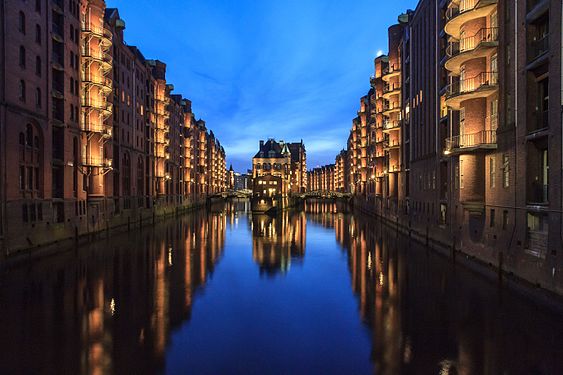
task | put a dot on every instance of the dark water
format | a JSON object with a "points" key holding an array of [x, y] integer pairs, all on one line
{"points": [[316, 292]]}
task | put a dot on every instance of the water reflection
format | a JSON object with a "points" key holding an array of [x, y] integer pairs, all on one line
{"points": [[277, 240], [429, 316], [113, 306], [110, 307]]}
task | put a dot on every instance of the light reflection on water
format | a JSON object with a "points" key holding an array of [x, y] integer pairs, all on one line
{"points": [[313, 291]]}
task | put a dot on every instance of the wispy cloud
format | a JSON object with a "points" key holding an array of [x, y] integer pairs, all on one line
{"points": [[291, 69]]}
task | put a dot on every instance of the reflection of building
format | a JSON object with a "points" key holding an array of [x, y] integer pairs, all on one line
{"points": [[114, 306], [277, 240]]}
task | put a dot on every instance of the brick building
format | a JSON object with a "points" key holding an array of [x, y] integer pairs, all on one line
{"points": [[91, 133], [462, 132]]}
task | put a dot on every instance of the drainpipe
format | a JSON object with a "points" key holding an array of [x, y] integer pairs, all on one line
{"points": [[561, 114], [516, 62]]}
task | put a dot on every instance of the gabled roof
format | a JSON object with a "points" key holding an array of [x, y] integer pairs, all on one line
{"points": [[271, 149]]}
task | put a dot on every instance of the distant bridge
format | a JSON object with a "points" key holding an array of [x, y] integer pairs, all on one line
{"points": [[325, 194], [231, 194]]}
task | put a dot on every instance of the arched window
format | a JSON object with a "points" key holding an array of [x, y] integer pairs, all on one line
{"points": [[37, 34], [21, 23], [38, 97], [22, 90], [38, 66], [22, 56]]}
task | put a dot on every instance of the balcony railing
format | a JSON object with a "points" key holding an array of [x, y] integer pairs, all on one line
{"points": [[485, 35], [389, 125], [97, 104], [97, 80], [96, 161], [481, 138], [537, 47], [468, 85], [104, 129], [466, 6], [101, 32]]}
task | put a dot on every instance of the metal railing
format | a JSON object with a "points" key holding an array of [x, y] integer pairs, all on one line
{"points": [[485, 35], [466, 6], [468, 85], [388, 125], [96, 161], [483, 137]]}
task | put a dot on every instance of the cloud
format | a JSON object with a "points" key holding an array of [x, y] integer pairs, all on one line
{"points": [[257, 69]]}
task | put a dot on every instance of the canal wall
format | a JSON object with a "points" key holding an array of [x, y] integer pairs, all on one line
{"points": [[499, 263], [100, 221]]}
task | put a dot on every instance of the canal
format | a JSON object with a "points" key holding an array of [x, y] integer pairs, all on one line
{"points": [[319, 291]]}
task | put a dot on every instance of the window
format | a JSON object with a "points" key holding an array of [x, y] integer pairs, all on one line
{"points": [[22, 90], [38, 6], [38, 97], [21, 22], [492, 172], [22, 56], [38, 66], [505, 219], [505, 171], [71, 32], [492, 218], [37, 34], [456, 177], [461, 182]]}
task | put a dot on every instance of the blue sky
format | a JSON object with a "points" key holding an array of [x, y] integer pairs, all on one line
{"points": [[256, 69]]}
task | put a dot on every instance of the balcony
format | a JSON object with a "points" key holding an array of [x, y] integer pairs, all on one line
{"points": [[390, 72], [467, 143], [463, 11], [392, 145], [390, 90], [480, 86], [389, 108], [105, 60], [389, 126], [98, 105], [104, 129], [103, 83], [102, 33], [472, 47], [96, 161]]}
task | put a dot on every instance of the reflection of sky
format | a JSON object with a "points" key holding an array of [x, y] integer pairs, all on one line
{"points": [[291, 69]]}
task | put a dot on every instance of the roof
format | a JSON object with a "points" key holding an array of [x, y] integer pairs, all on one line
{"points": [[272, 149]]}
